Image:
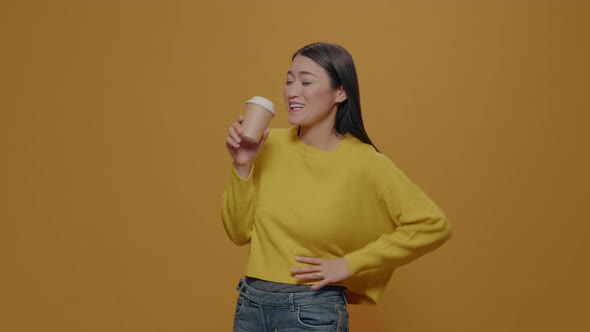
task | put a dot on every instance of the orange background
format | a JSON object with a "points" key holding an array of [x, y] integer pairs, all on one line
{"points": [[114, 115]]}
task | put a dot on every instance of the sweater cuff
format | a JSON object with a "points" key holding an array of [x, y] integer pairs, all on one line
{"points": [[358, 262], [238, 178]]}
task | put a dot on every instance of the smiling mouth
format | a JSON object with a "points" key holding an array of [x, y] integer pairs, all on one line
{"points": [[295, 107]]}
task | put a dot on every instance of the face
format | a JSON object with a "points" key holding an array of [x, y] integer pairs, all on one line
{"points": [[309, 95]]}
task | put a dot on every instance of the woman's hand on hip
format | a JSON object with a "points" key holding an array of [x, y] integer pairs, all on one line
{"points": [[327, 271]]}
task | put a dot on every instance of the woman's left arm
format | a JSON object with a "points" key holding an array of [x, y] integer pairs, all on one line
{"points": [[420, 227]]}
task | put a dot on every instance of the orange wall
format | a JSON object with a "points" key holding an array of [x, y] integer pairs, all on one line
{"points": [[114, 115]]}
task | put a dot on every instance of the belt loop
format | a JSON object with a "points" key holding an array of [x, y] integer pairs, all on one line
{"points": [[291, 301], [345, 297]]}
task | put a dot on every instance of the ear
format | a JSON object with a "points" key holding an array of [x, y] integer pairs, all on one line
{"points": [[340, 95]]}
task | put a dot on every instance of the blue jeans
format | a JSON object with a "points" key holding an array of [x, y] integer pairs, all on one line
{"points": [[259, 311]]}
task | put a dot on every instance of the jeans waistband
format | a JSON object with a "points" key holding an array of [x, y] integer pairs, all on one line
{"points": [[276, 287], [286, 299]]}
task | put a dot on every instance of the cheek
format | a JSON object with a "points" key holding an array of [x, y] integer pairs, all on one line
{"points": [[286, 94], [319, 96]]}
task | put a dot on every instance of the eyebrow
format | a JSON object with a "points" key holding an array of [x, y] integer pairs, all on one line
{"points": [[303, 72]]}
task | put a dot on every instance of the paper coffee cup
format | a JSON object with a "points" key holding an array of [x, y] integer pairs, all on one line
{"points": [[259, 112]]}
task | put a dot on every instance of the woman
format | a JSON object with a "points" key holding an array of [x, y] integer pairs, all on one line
{"points": [[328, 218]]}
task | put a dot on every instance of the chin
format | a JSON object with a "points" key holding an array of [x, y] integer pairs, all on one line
{"points": [[293, 120]]}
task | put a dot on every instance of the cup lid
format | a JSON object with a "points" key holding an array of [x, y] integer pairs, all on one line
{"points": [[262, 102]]}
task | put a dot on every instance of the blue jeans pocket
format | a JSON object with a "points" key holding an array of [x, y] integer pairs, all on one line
{"points": [[321, 315], [239, 305]]}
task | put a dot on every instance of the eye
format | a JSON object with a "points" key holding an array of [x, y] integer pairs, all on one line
{"points": [[304, 83], [288, 82]]}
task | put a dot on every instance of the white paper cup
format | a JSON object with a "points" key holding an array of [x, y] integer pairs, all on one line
{"points": [[259, 112]]}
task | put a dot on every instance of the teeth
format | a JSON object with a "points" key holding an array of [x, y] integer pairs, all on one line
{"points": [[296, 106]]}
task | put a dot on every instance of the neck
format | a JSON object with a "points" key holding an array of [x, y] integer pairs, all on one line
{"points": [[326, 139]]}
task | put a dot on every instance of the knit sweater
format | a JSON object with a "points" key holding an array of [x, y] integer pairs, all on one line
{"points": [[352, 202]]}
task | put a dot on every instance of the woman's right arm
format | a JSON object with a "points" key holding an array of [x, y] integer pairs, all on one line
{"points": [[239, 198]]}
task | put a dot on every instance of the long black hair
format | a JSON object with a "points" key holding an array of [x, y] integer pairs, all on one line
{"points": [[338, 63]]}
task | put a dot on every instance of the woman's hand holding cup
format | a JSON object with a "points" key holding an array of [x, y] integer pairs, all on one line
{"points": [[248, 133], [243, 151]]}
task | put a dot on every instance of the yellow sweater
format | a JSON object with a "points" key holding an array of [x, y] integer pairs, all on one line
{"points": [[352, 202]]}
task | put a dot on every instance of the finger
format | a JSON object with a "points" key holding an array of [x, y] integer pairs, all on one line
{"points": [[234, 135], [264, 135], [320, 284], [305, 269], [308, 260], [310, 276], [231, 143], [240, 118], [238, 128]]}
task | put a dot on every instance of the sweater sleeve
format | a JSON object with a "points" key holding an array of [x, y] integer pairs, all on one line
{"points": [[238, 202], [419, 227]]}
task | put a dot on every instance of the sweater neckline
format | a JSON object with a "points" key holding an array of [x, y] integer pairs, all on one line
{"points": [[311, 151]]}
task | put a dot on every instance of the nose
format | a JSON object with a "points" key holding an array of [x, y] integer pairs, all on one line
{"points": [[292, 91]]}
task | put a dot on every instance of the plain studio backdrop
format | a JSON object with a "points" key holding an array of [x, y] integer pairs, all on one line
{"points": [[114, 116]]}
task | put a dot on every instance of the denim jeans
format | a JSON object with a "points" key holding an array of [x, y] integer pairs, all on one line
{"points": [[259, 311]]}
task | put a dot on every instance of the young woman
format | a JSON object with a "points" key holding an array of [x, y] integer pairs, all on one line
{"points": [[328, 218]]}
